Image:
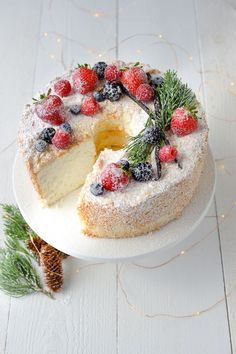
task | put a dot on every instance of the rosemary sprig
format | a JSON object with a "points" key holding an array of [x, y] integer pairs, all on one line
{"points": [[172, 93]]}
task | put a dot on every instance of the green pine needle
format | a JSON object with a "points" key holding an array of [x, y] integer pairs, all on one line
{"points": [[137, 149], [172, 93], [17, 275], [16, 229]]}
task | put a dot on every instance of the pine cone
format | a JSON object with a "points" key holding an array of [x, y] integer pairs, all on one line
{"points": [[51, 262], [34, 244]]}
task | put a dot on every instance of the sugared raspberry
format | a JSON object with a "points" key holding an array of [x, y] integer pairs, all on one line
{"points": [[182, 123], [84, 79], [145, 93], [133, 78], [62, 88], [167, 153], [89, 106], [61, 139], [113, 177], [111, 73], [51, 110]]}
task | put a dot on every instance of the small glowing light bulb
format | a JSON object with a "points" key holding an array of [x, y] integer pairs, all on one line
{"points": [[182, 253], [58, 40], [99, 55], [190, 58], [160, 36], [52, 56], [232, 83], [96, 14], [222, 215], [197, 313], [45, 34]]}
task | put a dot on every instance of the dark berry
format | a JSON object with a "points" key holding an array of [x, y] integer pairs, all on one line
{"points": [[152, 135], [47, 134], [156, 80], [112, 91], [66, 127], [100, 68], [124, 164], [40, 145], [99, 96], [75, 109], [142, 172], [96, 189]]}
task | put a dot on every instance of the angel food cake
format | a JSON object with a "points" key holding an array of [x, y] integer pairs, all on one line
{"points": [[135, 139]]}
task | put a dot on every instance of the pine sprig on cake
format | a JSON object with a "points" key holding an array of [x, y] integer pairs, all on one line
{"points": [[172, 94]]}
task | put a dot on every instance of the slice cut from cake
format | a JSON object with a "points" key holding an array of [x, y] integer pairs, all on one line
{"points": [[72, 135]]}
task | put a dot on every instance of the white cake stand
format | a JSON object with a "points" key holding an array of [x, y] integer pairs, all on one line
{"points": [[59, 225]]}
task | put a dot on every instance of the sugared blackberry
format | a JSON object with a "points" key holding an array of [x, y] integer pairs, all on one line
{"points": [[47, 134], [124, 164], [112, 91], [99, 68], [96, 189], [152, 135], [142, 172], [156, 80], [99, 96], [66, 127], [75, 109], [40, 145]]}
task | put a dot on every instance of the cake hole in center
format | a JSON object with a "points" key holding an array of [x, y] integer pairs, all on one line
{"points": [[113, 138]]}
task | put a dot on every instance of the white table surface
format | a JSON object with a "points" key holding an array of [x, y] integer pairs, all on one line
{"points": [[39, 40]]}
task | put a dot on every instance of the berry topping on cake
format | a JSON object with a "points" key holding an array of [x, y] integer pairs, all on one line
{"points": [[62, 139], [62, 88], [99, 96], [167, 153], [145, 93], [142, 172], [75, 109], [47, 134], [66, 127], [40, 145], [112, 91], [155, 80], [132, 78], [124, 164], [96, 189], [50, 109], [99, 68], [182, 123], [89, 106], [111, 73], [152, 135], [113, 177], [84, 79]]}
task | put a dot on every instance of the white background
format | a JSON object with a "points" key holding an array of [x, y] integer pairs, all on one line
{"points": [[39, 40]]}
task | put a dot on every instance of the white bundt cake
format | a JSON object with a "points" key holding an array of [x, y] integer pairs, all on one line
{"points": [[78, 136]]}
